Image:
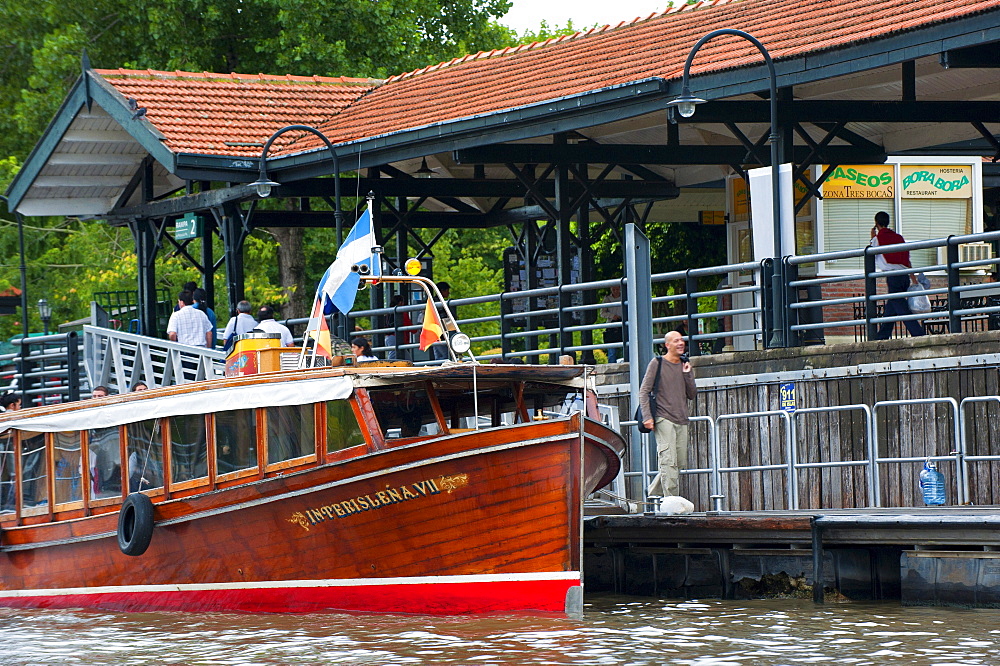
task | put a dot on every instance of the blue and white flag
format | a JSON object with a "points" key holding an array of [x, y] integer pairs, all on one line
{"points": [[340, 284]]}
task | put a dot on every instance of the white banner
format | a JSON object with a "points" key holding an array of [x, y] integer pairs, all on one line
{"points": [[274, 394]]}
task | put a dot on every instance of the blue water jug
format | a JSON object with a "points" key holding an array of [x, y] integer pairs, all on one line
{"points": [[932, 484]]}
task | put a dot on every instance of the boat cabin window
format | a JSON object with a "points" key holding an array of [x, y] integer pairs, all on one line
{"points": [[7, 472], [105, 462], [187, 448], [404, 412], [68, 466], [235, 440], [342, 429], [34, 474], [291, 432], [145, 455], [491, 404]]}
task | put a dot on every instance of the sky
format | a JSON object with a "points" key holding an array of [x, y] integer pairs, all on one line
{"points": [[528, 14]]}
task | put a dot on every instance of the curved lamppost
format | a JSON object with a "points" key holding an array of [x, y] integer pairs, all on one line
{"points": [[685, 105], [263, 184]]}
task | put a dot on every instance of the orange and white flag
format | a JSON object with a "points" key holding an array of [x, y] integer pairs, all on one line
{"points": [[432, 329], [320, 330]]}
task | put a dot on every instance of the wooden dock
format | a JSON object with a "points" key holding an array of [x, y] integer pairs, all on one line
{"points": [[941, 555]]}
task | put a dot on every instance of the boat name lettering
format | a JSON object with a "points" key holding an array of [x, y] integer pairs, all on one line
{"points": [[378, 499]]}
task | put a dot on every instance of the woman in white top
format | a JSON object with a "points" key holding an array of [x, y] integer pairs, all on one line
{"points": [[362, 350]]}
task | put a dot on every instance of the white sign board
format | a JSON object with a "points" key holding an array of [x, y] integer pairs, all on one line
{"points": [[761, 220]]}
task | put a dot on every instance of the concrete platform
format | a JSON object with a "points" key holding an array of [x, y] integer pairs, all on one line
{"points": [[941, 555]]}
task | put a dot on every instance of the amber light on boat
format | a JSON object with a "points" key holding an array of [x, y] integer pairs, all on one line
{"points": [[412, 266]]}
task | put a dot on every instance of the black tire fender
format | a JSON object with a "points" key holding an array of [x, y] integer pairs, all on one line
{"points": [[135, 524]]}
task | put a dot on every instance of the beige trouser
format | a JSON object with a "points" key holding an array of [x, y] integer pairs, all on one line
{"points": [[671, 457]]}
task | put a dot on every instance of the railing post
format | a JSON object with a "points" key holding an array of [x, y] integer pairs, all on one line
{"points": [[791, 273], [954, 298], [23, 380], [691, 305], [565, 322], [73, 366], [639, 316], [506, 314], [870, 306], [767, 300]]}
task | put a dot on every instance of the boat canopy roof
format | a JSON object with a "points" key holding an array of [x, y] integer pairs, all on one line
{"points": [[284, 389], [146, 405]]}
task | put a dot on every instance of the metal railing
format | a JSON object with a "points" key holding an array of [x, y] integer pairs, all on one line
{"points": [[504, 328], [720, 308], [47, 369], [790, 466], [958, 307], [119, 359]]}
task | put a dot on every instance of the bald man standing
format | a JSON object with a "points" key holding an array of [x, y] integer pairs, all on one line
{"points": [[670, 422]]}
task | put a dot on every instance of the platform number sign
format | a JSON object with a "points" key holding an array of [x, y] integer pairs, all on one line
{"points": [[786, 397], [187, 227]]}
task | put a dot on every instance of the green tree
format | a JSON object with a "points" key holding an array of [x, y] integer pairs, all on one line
{"points": [[545, 31]]}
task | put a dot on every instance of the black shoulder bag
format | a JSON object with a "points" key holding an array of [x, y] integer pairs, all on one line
{"points": [[652, 400]]}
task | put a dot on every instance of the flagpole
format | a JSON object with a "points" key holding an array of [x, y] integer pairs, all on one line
{"points": [[305, 336]]}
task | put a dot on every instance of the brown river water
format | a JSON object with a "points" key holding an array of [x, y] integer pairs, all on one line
{"points": [[613, 630]]}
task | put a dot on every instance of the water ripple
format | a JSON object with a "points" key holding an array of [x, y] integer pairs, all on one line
{"points": [[613, 631]]}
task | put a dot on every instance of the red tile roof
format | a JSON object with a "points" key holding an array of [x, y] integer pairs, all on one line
{"points": [[199, 113], [233, 114], [655, 47]]}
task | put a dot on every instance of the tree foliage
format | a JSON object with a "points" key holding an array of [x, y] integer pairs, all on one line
{"points": [[42, 43]]}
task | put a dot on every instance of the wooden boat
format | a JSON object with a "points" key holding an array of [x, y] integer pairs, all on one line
{"points": [[368, 488]]}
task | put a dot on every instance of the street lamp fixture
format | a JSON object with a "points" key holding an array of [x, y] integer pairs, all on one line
{"points": [[685, 105], [263, 185], [424, 171], [45, 313]]}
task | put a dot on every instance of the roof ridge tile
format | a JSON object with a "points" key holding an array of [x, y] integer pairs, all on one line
{"points": [[235, 76]]}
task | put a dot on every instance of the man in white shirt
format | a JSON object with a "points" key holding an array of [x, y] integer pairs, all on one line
{"points": [[238, 325], [189, 325], [267, 324]]}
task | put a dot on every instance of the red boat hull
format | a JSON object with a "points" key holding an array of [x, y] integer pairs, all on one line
{"points": [[477, 522], [443, 595]]}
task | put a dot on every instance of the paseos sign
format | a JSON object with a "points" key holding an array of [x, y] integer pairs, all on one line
{"points": [[868, 181]]}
